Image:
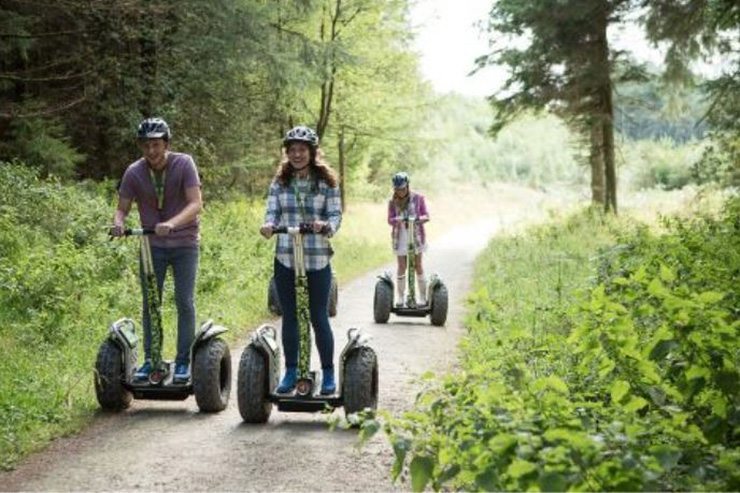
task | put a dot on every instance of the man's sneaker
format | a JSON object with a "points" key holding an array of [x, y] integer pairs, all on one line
{"points": [[182, 373], [143, 372], [328, 385], [288, 382]]}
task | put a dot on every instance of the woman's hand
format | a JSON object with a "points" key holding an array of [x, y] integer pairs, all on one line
{"points": [[320, 227], [266, 230]]}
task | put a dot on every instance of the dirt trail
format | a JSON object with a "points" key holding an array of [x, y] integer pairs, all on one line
{"points": [[171, 446]]}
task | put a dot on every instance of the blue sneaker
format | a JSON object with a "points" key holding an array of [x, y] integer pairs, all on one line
{"points": [[182, 373], [328, 385], [143, 372], [288, 382]]}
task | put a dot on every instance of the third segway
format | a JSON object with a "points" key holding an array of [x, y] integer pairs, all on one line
{"points": [[436, 295]]}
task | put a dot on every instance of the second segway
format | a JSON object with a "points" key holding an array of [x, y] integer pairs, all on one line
{"points": [[259, 366]]}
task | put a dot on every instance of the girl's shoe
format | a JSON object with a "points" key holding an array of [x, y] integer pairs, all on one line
{"points": [[288, 382], [328, 385]]}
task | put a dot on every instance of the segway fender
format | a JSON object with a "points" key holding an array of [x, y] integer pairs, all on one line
{"points": [[207, 331], [123, 333], [356, 339], [264, 339], [434, 281], [386, 278]]}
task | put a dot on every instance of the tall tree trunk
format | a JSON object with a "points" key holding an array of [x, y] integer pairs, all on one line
{"points": [[342, 169], [609, 164], [327, 87], [606, 109], [598, 189]]}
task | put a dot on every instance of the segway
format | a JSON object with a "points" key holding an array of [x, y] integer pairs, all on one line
{"points": [[259, 366], [436, 295], [273, 301], [210, 360]]}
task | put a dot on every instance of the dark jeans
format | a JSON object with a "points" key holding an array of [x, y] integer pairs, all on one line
{"points": [[319, 283], [184, 262]]}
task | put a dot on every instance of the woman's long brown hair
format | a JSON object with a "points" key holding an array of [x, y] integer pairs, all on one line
{"points": [[317, 166]]}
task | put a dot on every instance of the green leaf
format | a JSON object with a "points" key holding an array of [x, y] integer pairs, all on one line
{"points": [[696, 371], [666, 455], [400, 447], [519, 468], [656, 288], [619, 390], [667, 274], [421, 469], [635, 404], [550, 382], [553, 481], [710, 297]]}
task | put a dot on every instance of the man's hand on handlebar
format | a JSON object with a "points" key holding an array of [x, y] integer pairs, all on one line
{"points": [[266, 230], [116, 231], [163, 229]]}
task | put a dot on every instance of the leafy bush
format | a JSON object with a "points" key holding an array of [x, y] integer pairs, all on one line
{"points": [[660, 163], [631, 384]]}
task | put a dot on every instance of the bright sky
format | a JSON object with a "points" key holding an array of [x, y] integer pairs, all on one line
{"points": [[449, 42]]}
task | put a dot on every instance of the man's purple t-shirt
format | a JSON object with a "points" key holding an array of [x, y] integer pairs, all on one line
{"points": [[180, 174]]}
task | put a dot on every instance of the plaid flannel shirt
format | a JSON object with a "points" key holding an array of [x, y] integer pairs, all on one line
{"points": [[320, 203]]}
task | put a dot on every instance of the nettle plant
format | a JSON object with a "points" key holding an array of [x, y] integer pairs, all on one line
{"points": [[660, 332], [641, 393]]}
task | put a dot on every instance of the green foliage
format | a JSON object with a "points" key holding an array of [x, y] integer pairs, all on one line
{"points": [[662, 163], [43, 145], [618, 372], [230, 76]]}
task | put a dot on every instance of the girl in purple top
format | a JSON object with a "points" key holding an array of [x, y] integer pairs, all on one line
{"points": [[166, 188], [406, 203]]}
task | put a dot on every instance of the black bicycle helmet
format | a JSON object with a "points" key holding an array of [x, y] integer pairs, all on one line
{"points": [[301, 134], [400, 179], [153, 128]]}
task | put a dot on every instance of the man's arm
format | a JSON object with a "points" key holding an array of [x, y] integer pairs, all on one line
{"points": [[188, 214], [119, 217]]}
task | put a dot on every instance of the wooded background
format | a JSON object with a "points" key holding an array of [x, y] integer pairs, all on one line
{"points": [[230, 76]]}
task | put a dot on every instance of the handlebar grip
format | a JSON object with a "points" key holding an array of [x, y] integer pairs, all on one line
{"points": [[302, 228], [137, 231]]}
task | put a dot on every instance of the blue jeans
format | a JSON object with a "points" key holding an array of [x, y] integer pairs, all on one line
{"points": [[319, 283], [184, 262]]}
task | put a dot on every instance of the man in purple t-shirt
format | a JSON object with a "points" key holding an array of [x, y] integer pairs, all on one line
{"points": [[166, 188]]}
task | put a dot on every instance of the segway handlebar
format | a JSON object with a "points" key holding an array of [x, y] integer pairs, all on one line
{"points": [[406, 219], [138, 231], [302, 228], [131, 232]]}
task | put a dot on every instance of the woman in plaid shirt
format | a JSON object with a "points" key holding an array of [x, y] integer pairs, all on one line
{"points": [[305, 190], [406, 203]]}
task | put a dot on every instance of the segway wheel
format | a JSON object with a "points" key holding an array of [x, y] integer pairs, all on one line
{"points": [[333, 296], [109, 389], [438, 315], [382, 302], [360, 384], [252, 386], [212, 375], [273, 302]]}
